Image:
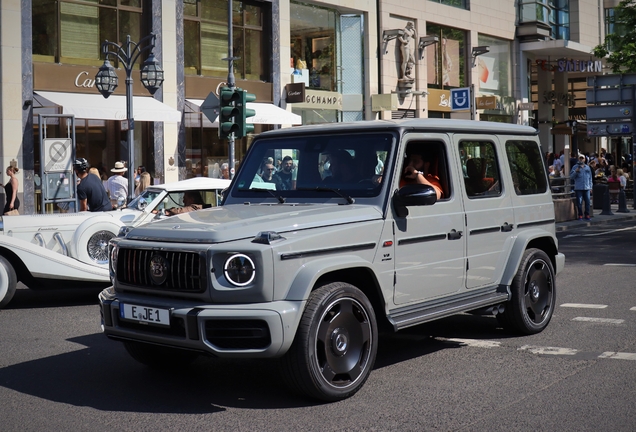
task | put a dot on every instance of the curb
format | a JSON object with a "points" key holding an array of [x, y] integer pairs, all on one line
{"points": [[596, 220]]}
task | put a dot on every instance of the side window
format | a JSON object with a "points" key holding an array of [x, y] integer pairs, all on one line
{"points": [[430, 158], [526, 167], [480, 168]]}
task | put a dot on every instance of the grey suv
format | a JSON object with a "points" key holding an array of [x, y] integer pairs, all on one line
{"points": [[332, 233]]}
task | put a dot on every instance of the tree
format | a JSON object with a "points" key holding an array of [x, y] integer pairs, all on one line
{"points": [[620, 45]]}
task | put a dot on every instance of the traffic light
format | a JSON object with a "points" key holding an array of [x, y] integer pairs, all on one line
{"points": [[228, 113], [244, 112]]}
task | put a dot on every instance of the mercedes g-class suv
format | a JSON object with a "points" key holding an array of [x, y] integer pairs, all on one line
{"points": [[331, 233]]}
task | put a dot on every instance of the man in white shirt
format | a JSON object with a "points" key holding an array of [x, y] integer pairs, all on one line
{"points": [[117, 184]]}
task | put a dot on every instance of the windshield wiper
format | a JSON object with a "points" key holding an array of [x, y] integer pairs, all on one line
{"points": [[327, 189], [278, 197]]}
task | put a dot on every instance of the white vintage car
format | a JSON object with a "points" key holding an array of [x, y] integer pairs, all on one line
{"points": [[62, 250]]}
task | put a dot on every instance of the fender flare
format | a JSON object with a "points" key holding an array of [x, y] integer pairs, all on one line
{"points": [[310, 272], [518, 248], [86, 230]]}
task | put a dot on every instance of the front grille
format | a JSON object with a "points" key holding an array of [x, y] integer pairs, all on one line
{"points": [[179, 271], [238, 334]]}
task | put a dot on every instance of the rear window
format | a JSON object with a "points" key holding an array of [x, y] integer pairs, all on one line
{"points": [[526, 167]]}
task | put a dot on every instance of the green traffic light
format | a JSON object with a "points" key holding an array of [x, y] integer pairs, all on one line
{"points": [[229, 113], [244, 113]]}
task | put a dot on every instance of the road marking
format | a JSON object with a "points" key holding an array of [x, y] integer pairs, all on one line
{"points": [[618, 355], [602, 233], [619, 265], [634, 308], [548, 350], [599, 320], [474, 342], [584, 305]]}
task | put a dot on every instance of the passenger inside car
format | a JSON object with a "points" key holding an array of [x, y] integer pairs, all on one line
{"points": [[421, 168]]}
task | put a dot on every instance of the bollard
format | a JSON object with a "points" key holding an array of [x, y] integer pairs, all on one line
{"points": [[607, 207], [622, 202]]}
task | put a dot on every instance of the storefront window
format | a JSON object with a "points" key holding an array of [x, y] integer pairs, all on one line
{"points": [[462, 4], [313, 47], [446, 63], [494, 67], [205, 43], [73, 32]]}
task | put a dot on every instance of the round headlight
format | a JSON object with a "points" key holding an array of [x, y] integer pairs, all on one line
{"points": [[114, 250], [239, 269], [97, 246]]}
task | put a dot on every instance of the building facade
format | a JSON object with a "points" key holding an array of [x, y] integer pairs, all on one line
{"points": [[525, 61]]}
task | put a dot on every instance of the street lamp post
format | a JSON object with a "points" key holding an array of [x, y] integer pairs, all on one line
{"points": [[151, 77]]}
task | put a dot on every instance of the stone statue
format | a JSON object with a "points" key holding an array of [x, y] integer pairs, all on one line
{"points": [[407, 48]]}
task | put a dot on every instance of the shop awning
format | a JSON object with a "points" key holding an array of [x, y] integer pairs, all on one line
{"points": [[266, 113], [96, 107]]}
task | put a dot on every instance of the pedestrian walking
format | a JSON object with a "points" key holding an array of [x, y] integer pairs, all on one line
{"points": [[11, 192]]}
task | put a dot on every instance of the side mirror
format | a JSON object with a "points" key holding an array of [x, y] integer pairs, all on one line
{"points": [[413, 195]]}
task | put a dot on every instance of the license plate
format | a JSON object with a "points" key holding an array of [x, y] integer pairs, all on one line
{"points": [[145, 314]]}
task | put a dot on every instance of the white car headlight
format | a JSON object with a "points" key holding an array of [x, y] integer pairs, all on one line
{"points": [[239, 270]]}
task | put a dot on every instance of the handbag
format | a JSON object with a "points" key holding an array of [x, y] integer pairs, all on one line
{"points": [[13, 212]]}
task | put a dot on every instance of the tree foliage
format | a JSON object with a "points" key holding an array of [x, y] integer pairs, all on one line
{"points": [[621, 44]]}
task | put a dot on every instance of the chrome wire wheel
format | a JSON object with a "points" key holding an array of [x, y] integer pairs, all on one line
{"points": [[97, 246], [343, 343]]}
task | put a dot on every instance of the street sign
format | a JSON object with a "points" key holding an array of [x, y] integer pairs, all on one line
{"points": [[460, 99], [210, 107], [608, 95], [611, 80], [57, 155], [526, 106], [609, 112], [607, 129]]}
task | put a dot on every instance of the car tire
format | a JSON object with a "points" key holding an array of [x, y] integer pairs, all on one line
{"points": [[159, 357], [335, 345], [90, 240], [533, 295], [8, 282]]}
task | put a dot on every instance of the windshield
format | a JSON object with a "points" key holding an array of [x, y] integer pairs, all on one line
{"points": [[329, 166], [142, 201]]}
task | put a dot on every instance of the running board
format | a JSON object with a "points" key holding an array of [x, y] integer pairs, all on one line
{"points": [[424, 312]]}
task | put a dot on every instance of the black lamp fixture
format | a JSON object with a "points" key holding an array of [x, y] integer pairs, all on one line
{"points": [[106, 79], [479, 50], [151, 74]]}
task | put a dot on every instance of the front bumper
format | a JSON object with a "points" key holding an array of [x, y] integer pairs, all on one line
{"points": [[259, 330]]}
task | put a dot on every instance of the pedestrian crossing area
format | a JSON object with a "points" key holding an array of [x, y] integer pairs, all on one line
{"points": [[557, 351]]}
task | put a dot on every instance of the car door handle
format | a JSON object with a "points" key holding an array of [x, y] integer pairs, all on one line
{"points": [[506, 227], [454, 235]]}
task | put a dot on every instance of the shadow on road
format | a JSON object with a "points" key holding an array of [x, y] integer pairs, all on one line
{"points": [[25, 298], [104, 377]]}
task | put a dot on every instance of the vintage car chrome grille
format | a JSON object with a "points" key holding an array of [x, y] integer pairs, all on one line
{"points": [[174, 271]]}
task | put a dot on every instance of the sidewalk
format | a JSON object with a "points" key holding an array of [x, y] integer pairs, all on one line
{"points": [[597, 218]]}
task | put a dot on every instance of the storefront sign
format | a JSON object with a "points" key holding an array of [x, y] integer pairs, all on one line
{"points": [[571, 65], [486, 102], [384, 102], [439, 100], [315, 99], [526, 106], [295, 92]]}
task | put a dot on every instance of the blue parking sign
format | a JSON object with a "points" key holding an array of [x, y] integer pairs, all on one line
{"points": [[460, 99]]}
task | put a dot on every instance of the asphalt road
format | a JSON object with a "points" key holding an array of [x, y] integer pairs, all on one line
{"points": [[57, 372]]}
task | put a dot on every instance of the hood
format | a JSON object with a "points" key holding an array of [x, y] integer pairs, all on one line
{"points": [[234, 222]]}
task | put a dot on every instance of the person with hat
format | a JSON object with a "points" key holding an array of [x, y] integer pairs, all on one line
{"points": [[90, 190], [117, 184]]}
